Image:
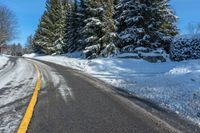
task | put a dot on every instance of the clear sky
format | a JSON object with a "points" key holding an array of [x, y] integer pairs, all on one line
{"points": [[188, 11], [28, 13]]}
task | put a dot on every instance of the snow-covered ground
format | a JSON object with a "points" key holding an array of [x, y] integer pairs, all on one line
{"points": [[172, 85], [17, 82], [3, 60]]}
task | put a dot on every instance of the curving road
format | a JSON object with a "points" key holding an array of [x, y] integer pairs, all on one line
{"points": [[69, 102]]}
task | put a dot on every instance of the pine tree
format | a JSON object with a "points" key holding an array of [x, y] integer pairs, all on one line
{"points": [[54, 8], [66, 5], [29, 45], [50, 33], [99, 28], [80, 15], [110, 28], [72, 26], [41, 39], [144, 23]]}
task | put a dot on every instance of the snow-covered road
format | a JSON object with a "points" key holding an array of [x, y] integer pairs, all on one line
{"points": [[17, 82]]}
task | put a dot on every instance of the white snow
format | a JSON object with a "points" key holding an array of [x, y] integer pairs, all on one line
{"points": [[177, 71], [17, 81], [30, 55], [171, 85], [3, 60]]}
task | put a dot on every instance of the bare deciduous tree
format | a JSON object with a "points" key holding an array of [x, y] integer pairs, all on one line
{"points": [[8, 24]]}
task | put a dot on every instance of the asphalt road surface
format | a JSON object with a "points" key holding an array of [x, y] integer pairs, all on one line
{"points": [[72, 102]]}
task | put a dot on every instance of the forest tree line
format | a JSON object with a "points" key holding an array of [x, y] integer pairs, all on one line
{"points": [[104, 27]]}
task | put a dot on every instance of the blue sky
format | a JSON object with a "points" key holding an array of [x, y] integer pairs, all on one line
{"points": [[187, 11], [28, 13]]}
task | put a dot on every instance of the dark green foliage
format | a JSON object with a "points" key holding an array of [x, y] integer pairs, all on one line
{"points": [[144, 23], [98, 29], [50, 33], [75, 22]]}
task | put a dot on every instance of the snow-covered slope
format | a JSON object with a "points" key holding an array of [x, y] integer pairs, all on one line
{"points": [[172, 85]]}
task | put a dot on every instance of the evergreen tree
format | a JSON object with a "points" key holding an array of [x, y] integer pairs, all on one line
{"points": [[80, 11], [50, 33], [99, 28], [42, 41], [144, 23], [72, 25], [54, 8], [110, 29], [90, 26], [66, 6], [29, 44]]}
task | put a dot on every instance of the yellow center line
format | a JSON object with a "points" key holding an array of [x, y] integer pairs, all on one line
{"points": [[29, 111]]}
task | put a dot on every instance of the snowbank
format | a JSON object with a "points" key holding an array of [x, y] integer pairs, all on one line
{"points": [[30, 55], [3, 60], [172, 85]]}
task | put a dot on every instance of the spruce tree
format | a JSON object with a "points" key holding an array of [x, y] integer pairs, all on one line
{"points": [[80, 15], [144, 23], [54, 8], [110, 29], [65, 10], [99, 28], [29, 45], [41, 39], [50, 32], [72, 27]]}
